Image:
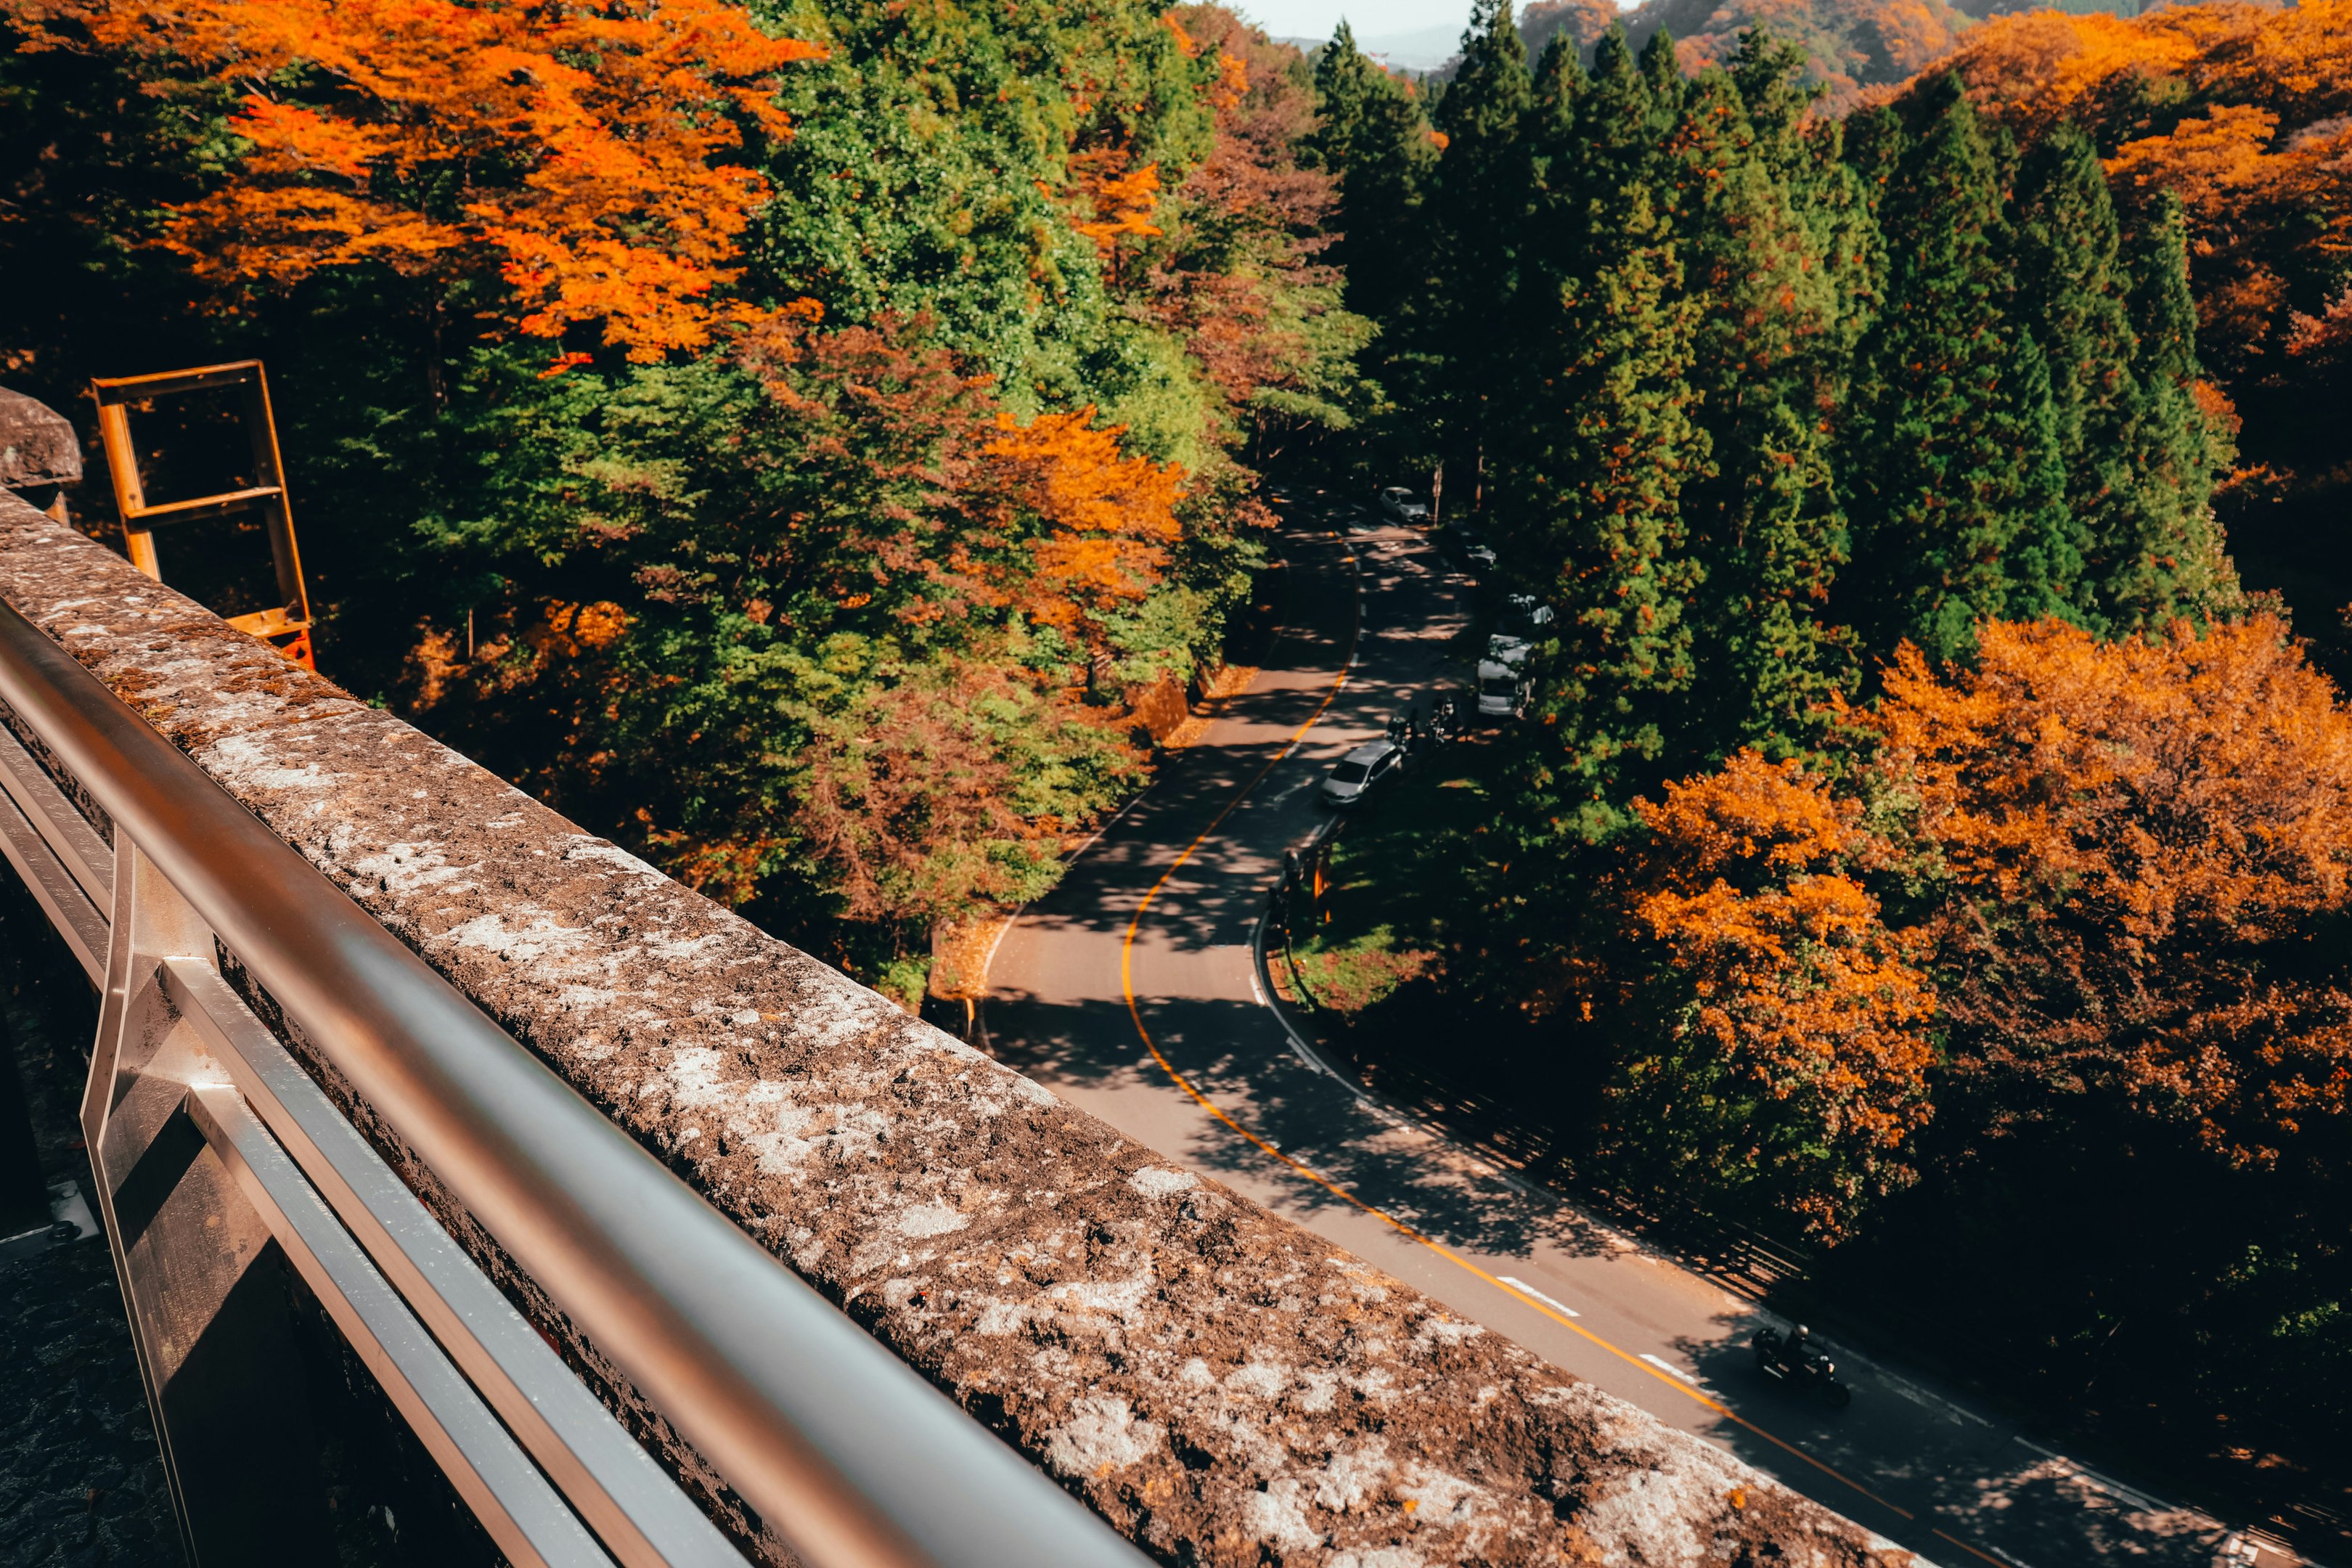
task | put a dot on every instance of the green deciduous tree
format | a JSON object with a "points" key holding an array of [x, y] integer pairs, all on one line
{"points": [[807, 618]]}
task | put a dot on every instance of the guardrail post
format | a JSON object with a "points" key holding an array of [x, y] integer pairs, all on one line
{"points": [[207, 1289]]}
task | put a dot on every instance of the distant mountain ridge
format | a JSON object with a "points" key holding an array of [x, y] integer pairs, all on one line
{"points": [[1422, 49], [1851, 45]]}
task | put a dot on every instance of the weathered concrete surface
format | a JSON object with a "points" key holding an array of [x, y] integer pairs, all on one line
{"points": [[38, 445], [1218, 1383]]}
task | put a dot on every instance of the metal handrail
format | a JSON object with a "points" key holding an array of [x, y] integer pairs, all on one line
{"points": [[840, 1448]]}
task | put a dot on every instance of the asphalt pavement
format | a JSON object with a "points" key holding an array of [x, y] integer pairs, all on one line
{"points": [[1132, 991]]}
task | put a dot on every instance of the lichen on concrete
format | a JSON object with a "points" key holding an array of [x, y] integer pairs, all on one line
{"points": [[1220, 1384]]}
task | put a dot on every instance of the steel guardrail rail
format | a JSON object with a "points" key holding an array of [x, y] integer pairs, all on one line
{"points": [[839, 1446]]}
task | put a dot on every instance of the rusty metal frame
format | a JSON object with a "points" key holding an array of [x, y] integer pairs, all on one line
{"points": [[286, 627]]}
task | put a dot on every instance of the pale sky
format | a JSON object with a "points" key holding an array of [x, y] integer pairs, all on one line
{"points": [[1372, 18]]}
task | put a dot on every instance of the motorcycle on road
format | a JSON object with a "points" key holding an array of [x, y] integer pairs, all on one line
{"points": [[1799, 1362]]}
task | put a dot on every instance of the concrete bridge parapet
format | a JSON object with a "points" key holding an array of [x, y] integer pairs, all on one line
{"points": [[1220, 1384]]}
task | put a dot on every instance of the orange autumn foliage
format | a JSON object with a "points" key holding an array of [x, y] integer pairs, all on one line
{"points": [[2072, 868], [580, 149], [1121, 199], [1799, 992], [1232, 83], [2140, 843], [1109, 519], [2244, 111], [2033, 68], [1232, 72]]}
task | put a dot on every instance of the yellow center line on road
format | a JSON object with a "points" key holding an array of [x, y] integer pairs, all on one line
{"points": [[1127, 988], [1996, 1561]]}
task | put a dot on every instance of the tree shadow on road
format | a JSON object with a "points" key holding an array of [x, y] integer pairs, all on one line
{"points": [[1983, 1486], [1233, 1054]]}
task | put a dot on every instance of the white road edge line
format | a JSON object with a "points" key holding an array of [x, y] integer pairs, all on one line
{"points": [[2004, 1556], [1524, 1289], [1309, 1056], [1671, 1370], [1954, 1414], [1313, 1060]]}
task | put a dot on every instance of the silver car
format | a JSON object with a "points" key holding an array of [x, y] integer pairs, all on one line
{"points": [[1403, 505], [1503, 689], [1523, 621], [1361, 771]]}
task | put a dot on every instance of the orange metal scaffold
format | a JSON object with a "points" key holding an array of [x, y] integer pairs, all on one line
{"points": [[286, 627]]}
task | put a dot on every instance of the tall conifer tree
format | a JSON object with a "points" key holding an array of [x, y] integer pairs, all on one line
{"points": [[1550, 257], [1372, 135], [1955, 487], [1806, 154], [2166, 559], [1765, 527], [2072, 294], [1550, 129], [1346, 81], [1478, 210], [1601, 502], [1664, 74], [1620, 126]]}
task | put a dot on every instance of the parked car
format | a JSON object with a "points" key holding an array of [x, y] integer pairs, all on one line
{"points": [[1522, 621], [1525, 617], [1502, 691], [1361, 771], [1403, 505], [1475, 551]]}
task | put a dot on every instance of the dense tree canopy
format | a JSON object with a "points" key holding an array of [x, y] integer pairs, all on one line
{"points": [[1751, 397], [1909, 789], [803, 441], [905, 368], [2236, 115], [2082, 869], [591, 154]]}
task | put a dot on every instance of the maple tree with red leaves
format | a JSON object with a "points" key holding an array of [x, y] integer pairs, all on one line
{"points": [[1243, 276]]}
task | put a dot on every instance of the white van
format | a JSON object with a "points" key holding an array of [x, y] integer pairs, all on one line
{"points": [[1502, 691]]}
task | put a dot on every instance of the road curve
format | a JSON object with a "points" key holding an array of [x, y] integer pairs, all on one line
{"points": [[1131, 991]]}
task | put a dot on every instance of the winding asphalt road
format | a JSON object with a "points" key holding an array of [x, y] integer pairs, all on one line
{"points": [[1132, 991]]}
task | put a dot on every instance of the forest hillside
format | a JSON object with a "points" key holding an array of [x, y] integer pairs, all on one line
{"points": [[1928, 836], [808, 442]]}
